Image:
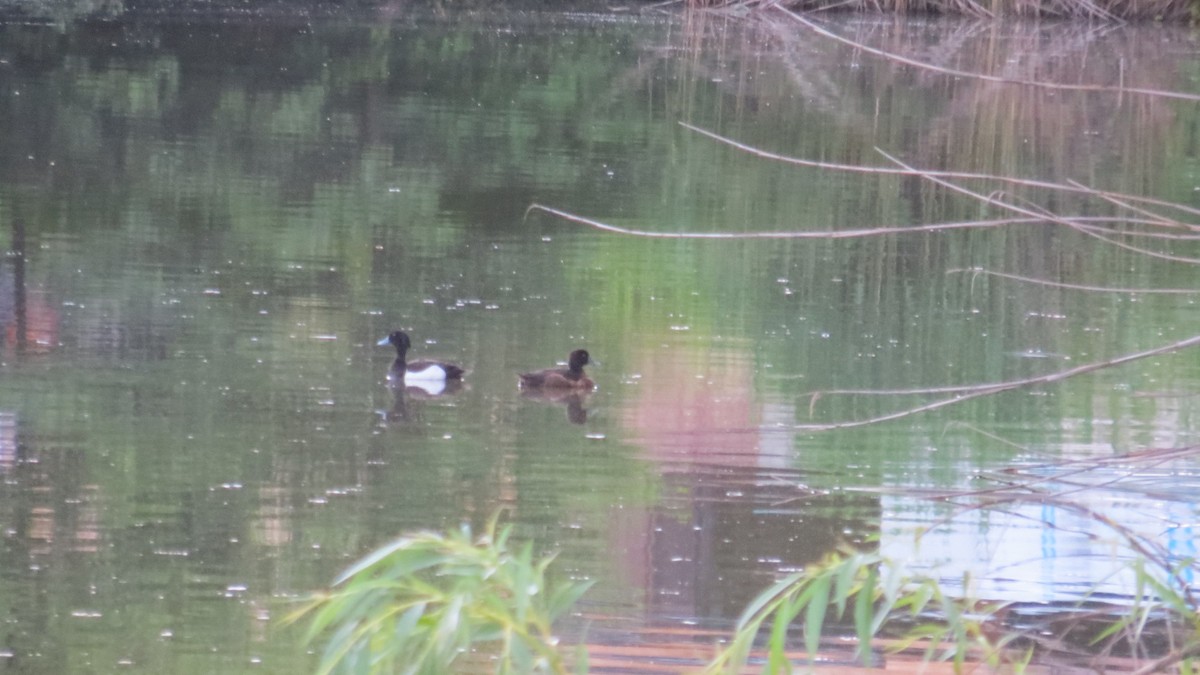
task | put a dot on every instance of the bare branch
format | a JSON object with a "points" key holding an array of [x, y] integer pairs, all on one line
{"points": [[1076, 287], [966, 175], [820, 234], [980, 76], [1074, 225], [988, 390], [1088, 223], [1122, 203]]}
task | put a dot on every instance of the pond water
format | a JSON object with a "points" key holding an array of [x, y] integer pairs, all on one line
{"points": [[211, 219]]}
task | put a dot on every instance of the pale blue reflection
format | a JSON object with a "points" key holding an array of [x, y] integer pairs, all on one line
{"points": [[1031, 550]]}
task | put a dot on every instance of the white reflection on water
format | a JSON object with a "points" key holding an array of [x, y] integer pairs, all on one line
{"points": [[1035, 550]]}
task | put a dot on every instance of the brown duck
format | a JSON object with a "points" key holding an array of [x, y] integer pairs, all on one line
{"points": [[571, 377]]}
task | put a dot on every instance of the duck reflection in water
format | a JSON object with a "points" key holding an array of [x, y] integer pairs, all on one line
{"points": [[404, 395], [574, 401]]}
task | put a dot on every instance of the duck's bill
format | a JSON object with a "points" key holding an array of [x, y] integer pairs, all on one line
{"points": [[384, 341]]}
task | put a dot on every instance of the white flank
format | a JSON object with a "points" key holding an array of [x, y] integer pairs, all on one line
{"points": [[429, 374]]}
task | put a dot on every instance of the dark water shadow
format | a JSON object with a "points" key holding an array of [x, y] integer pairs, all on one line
{"points": [[573, 401]]}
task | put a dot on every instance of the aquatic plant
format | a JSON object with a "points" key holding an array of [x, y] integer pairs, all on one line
{"points": [[876, 592], [1155, 627], [1159, 631], [428, 602], [434, 603]]}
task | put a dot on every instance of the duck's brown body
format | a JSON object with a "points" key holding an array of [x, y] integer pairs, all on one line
{"points": [[571, 377]]}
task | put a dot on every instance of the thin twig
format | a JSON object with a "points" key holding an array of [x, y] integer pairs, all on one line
{"points": [[993, 436], [1121, 203], [1084, 222], [980, 76], [988, 199], [1154, 454], [988, 390], [821, 234], [1120, 476], [1075, 287], [1164, 664], [1138, 249], [1010, 180]]}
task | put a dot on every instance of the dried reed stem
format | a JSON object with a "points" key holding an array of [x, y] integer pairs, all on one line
{"points": [[978, 391], [1074, 225], [820, 234], [1010, 180], [1122, 203], [813, 26], [1075, 287], [1083, 222]]}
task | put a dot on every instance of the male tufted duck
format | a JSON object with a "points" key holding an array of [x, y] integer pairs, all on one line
{"points": [[416, 371]]}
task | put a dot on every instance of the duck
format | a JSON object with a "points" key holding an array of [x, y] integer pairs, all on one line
{"points": [[416, 372], [571, 377]]}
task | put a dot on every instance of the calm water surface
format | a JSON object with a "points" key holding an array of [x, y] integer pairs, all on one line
{"points": [[210, 221]]}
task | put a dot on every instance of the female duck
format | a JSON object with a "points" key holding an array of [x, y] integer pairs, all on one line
{"points": [[427, 371], [571, 377]]}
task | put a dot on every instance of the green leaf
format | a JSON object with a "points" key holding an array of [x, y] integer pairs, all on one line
{"points": [[864, 620], [564, 597], [402, 558], [581, 660], [814, 617], [768, 596], [777, 660], [847, 571]]}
